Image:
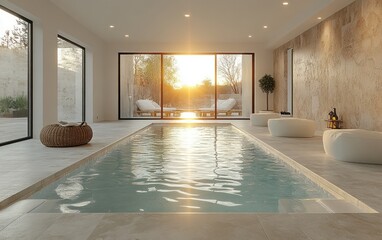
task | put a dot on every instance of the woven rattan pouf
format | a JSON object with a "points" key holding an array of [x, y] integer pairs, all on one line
{"points": [[55, 135]]}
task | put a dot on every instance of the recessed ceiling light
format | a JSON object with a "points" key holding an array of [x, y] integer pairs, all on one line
{"points": [[187, 15], [265, 26], [127, 35], [111, 26], [249, 36], [319, 18], [285, 3]]}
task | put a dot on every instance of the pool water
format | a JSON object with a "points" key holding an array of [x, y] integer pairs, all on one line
{"points": [[181, 168]]}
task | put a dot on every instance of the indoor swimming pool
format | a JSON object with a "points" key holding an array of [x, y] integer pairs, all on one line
{"points": [[181, 168]]}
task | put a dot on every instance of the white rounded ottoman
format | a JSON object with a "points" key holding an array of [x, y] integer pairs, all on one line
{"points": [[291, 127], [353, 145], [261, 119]]}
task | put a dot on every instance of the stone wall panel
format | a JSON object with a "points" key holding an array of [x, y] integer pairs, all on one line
{"points": [[337, 63]]}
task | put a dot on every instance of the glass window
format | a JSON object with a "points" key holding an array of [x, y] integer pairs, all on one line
{"points": [[15, 77], [140, 85], [71, 80], [189, 86], [234, 85], [185, 85]]}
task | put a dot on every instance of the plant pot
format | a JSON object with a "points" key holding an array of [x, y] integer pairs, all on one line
{"points": [[20, 113], [6, 115]]}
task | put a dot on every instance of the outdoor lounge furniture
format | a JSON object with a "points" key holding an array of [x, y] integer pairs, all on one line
{"points": [[353, 145], [148, 107], [291, 127], [261, 119], [68, 135], [224, 107]]}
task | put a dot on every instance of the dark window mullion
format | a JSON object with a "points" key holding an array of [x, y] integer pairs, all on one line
{"points": [[30, 83], [161, 86], [216, 86]]}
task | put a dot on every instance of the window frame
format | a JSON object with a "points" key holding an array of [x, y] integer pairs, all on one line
{"points": [[162, 54], [30, 78], [290, 80], [83, 114]]}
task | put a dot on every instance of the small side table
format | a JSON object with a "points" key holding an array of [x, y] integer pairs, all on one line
{"points": [[334, 124]]}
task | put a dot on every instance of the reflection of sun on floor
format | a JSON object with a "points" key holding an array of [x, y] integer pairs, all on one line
{"points": [[188, 115]]}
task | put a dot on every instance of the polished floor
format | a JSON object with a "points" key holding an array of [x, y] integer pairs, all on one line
{"points": [[28, 165]]}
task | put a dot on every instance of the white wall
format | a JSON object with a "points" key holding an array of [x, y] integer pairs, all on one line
{"points": [[263, 65], [48, 22]]}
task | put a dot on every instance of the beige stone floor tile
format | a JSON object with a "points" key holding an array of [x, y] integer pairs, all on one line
{"points": [[323, 226], [340, 226], [7, 218], [282, 227], [72, 227], [28, 226], [179, 226]]}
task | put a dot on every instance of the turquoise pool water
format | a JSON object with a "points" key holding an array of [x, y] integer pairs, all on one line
{"points": [[180, 168]]}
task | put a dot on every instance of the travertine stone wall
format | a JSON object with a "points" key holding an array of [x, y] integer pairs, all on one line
{"points": [[337, 63]]}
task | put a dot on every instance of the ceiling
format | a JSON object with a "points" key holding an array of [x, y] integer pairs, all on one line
{"points": [[211, 21]]}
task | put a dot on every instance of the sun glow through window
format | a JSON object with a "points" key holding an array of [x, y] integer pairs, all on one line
{"points": [[188, 115], [193, 70]]}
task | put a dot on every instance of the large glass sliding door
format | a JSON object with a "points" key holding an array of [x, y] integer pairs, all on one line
{"points": [[185, 86], [15, 77]]}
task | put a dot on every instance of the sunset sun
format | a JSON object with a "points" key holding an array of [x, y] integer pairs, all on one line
{"points": [[194, 69]]}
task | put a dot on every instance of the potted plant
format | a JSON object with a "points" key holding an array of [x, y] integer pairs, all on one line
{"points": [[267, 84]]}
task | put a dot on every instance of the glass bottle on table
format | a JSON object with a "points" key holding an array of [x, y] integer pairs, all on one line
{"points": [[335, 118]]}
